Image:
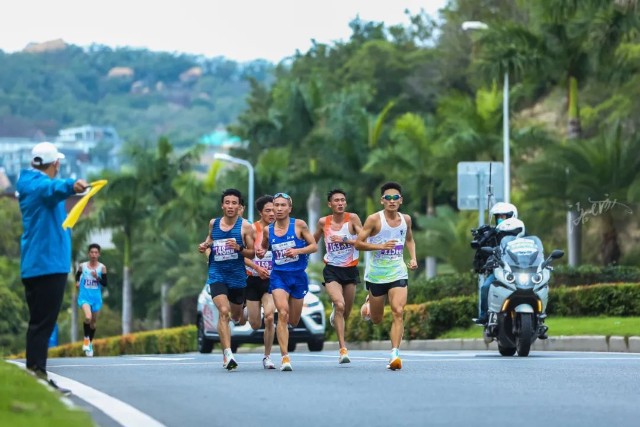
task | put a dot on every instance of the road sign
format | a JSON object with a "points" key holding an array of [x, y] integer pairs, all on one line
{"points": [[473, 184]]}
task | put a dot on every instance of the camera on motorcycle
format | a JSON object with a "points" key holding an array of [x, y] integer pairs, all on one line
{"points": [[481, 236], [488, 250]]}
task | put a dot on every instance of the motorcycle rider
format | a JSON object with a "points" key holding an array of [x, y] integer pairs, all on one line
{"points": [[501, 212]]}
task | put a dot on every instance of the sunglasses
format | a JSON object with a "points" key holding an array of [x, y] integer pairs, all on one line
{"points": [[283, 195], [390, 197]]}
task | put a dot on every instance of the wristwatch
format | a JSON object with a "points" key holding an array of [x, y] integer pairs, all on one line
{"points": [[345, 239], [240, 247]]}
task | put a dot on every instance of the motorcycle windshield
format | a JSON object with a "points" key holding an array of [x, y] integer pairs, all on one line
{"points": [[522, 253]]}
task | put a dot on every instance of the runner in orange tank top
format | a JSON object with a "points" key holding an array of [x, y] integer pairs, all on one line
{"points": [[341, 258]]}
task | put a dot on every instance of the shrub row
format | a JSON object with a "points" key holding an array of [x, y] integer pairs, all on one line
{"points": [[431, 319], [450, 285], [162, 341], [421, 321]]}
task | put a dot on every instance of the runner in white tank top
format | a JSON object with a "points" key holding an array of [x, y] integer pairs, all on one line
{"points": [[387, 233], [340, 273]]}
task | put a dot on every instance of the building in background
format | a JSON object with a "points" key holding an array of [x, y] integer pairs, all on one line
{"points": [[88, 150]]}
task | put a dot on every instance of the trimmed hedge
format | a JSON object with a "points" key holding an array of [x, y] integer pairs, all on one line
{"points": [[421, 321], [430, 320], [590, 274], [162, 341], [622, 299], [451, 285]]}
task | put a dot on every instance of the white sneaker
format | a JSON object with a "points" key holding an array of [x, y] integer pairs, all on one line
{"points": [[267, 363], [333, 314], [89, 353], [228, 361], [86, 343]]}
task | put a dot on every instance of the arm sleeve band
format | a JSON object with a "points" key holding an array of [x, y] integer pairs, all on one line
{"points": [[103, 280], [78, 275]]}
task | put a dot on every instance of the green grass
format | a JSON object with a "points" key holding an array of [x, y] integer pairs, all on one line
{"points": [[26, 402], [619, 326]]}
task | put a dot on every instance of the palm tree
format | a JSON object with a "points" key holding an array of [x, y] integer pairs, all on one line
{"points": [[562, 49], [124, 209], [412, 156], [601, 175]]}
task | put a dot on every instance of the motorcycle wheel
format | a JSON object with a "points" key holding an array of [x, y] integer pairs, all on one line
{"points": [[506, 351], [523, 340]]}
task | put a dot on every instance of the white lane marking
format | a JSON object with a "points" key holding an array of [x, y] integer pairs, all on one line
{"points": [[153, 358], [120, 412]]}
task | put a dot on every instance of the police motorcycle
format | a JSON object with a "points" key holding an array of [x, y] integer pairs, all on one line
{"points": [[519, 293]]}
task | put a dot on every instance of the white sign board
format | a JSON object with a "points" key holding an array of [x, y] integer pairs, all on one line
{"points": [[474, 179]]}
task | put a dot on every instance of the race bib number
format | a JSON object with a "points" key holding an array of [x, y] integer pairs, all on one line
{"points": [[266, 262], [91, 283], [338, 248], [390, 254], [279, 250], [221, 252]]}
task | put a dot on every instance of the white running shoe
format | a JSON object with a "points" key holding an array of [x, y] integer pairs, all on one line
{"points": [[267, 363], [86, 343], [228, 361], [89, 353]]}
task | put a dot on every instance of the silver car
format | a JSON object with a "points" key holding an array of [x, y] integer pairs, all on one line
{"points": [[310, 329]]}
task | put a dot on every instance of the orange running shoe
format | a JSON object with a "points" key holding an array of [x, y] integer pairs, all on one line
{"points": [[344, 356], [286, 364]]}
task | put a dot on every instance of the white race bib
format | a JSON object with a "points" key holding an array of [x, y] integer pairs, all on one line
{"points": [[280, 248], [221, 252]]}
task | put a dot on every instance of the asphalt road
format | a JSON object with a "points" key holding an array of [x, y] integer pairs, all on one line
{"points": [[433, 388]]}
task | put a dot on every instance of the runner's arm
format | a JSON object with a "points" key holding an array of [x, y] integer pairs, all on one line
{"points": [[356, 225], [317, 235], [410, 244], [248, 235], [369, 228], [306, 235], [206, 245]]}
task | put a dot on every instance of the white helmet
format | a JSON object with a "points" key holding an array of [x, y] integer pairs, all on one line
{"points": [[502, 208], [512, 227]]}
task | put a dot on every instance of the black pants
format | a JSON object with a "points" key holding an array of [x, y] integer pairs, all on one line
{"points": [[44, 298]]}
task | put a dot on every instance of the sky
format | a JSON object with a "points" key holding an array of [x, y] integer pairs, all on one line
{"points": [[240, 30]]}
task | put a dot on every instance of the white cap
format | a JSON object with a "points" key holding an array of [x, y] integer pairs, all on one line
{"points": [[45, 153]]}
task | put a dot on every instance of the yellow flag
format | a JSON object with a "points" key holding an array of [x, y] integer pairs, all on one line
{"points": [[76, 211]]}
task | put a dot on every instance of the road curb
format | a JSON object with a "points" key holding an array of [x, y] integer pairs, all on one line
{"points": [[598, 343]]}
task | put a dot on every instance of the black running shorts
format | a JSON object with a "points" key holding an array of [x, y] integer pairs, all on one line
{"points": [[380, 289], [342, 275], [256, 288]]}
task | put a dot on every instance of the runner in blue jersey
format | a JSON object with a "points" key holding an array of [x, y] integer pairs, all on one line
{"points": [[290, 242], [91, 278], [229, 241]]}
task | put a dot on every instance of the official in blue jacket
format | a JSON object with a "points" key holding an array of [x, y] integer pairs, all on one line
{"points": [[45, 248]]}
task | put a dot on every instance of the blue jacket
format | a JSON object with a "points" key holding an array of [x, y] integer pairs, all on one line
{"points": [[45, 248]]}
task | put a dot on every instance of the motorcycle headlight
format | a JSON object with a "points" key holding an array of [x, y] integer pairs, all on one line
{"points": [[537, 278], [509, 277], [523, 278]]}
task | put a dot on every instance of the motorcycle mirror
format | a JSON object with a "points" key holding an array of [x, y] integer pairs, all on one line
{"points": [[557, 253], [487, 250]]}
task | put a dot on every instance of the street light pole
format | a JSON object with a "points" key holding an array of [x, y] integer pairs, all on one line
{"points": [[478, 25], [505, 138], [249, 166]]}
